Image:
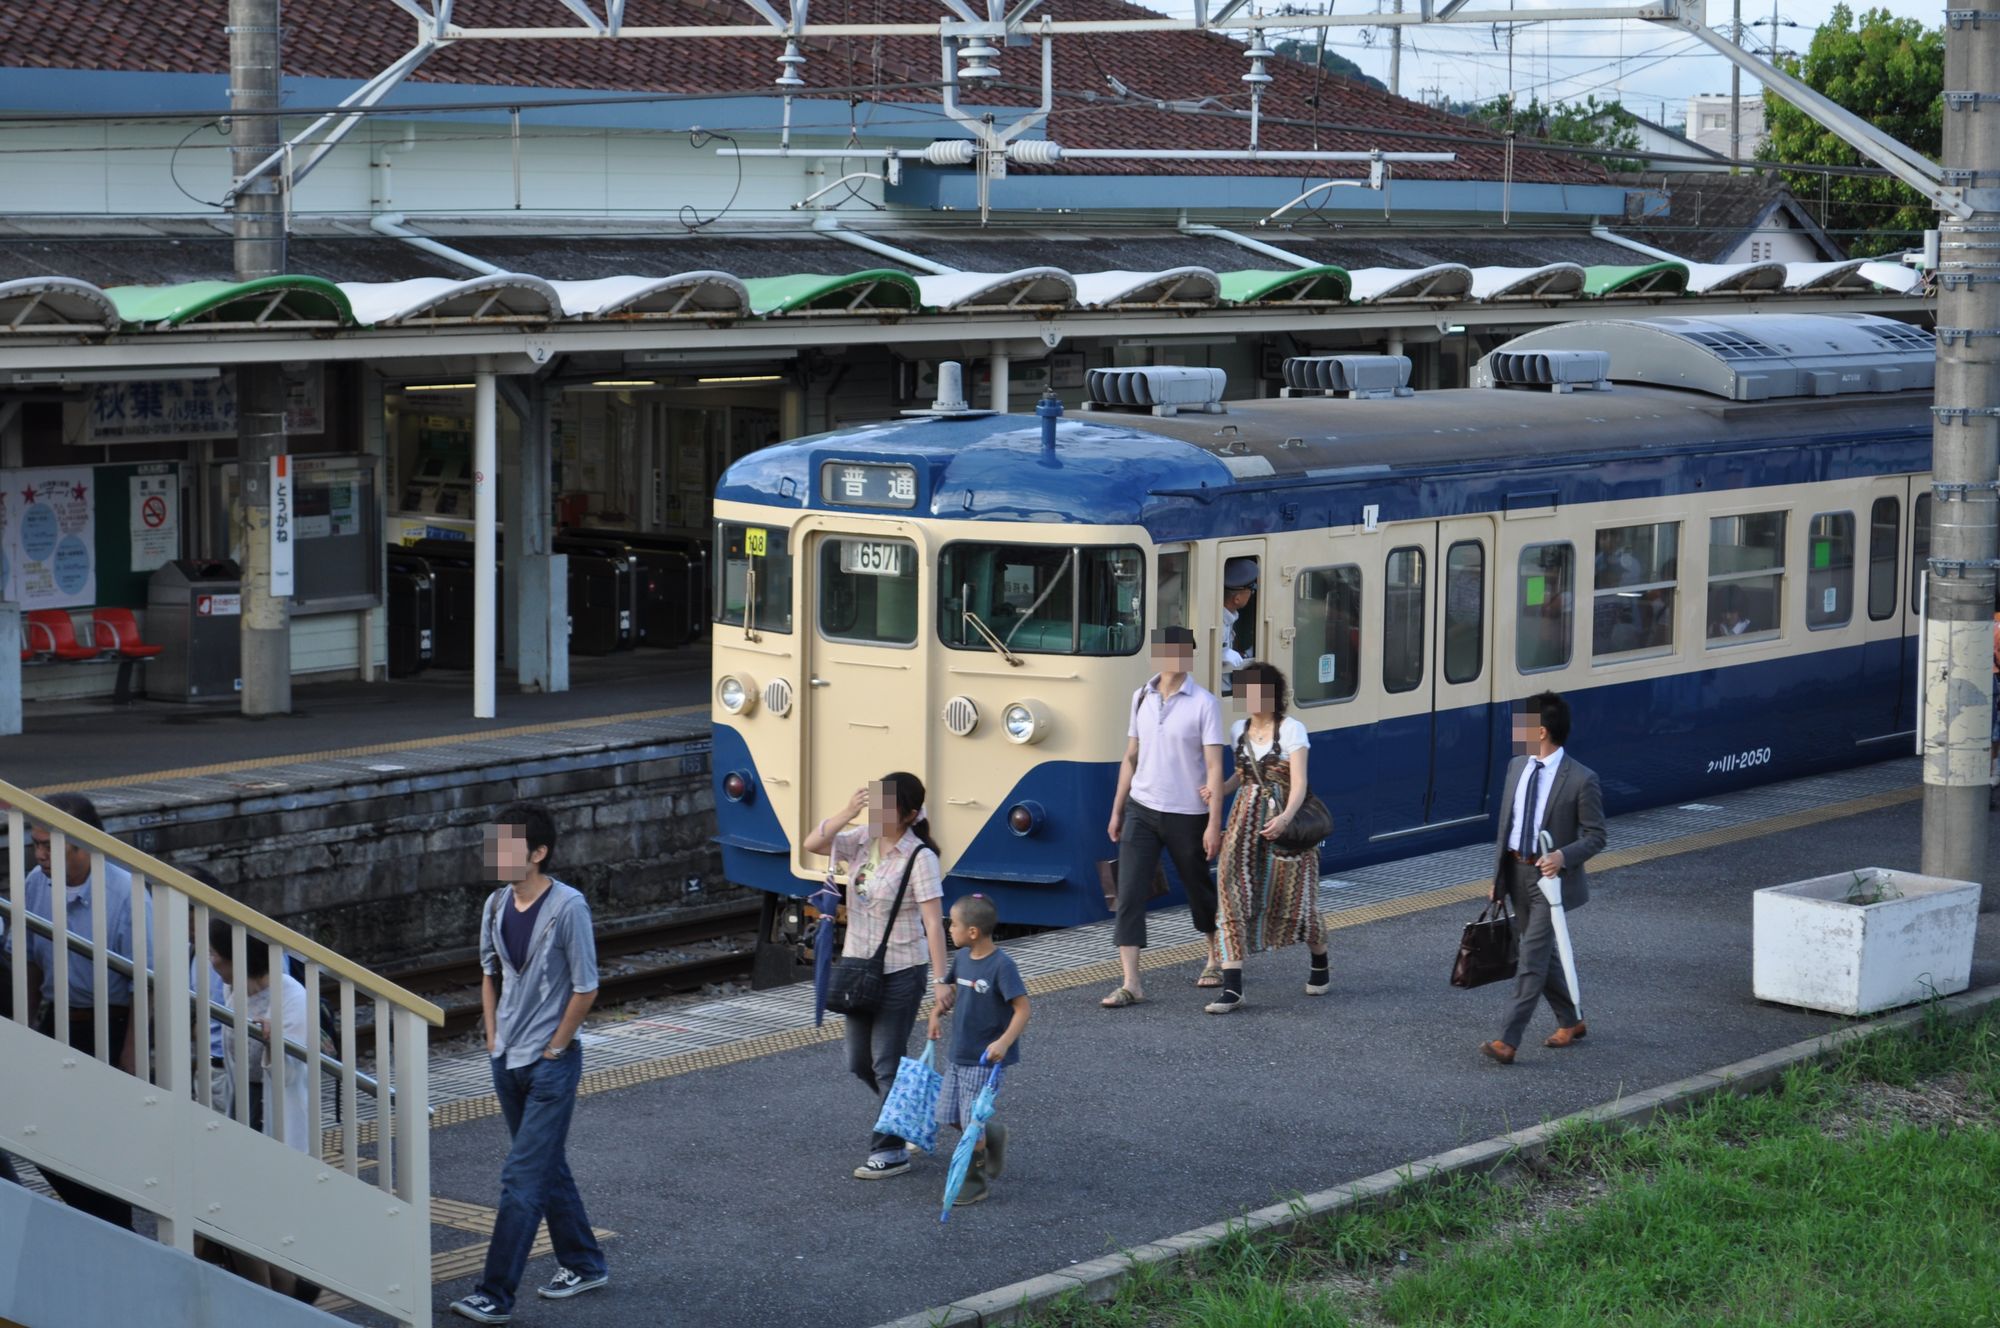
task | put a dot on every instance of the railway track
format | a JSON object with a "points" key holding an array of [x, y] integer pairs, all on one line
{"points": [[455, 985]]}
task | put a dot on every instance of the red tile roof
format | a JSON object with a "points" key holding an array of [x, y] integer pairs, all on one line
{"points": [[353, 39]]}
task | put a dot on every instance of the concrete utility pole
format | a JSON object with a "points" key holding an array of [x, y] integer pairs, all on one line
{"points": [[1736, 90], [1965, 462], [258, 209], [1396, 56]]}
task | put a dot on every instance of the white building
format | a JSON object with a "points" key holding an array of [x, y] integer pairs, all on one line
{"points": [[1708, 122]]}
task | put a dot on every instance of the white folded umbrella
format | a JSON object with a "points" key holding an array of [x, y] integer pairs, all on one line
{"points": [[1552, 891]]}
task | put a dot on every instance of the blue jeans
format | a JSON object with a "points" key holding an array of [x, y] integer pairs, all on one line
{"points": [[537, 1101], [877, 1042]]}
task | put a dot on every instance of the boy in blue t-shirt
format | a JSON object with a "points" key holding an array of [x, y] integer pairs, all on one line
{"points": [[991, 1010]]}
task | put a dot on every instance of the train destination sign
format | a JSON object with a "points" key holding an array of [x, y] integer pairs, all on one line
{"points": [[867, 484]]}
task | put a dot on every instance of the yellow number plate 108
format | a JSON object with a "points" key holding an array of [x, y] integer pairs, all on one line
{"points": [[872, 557]]}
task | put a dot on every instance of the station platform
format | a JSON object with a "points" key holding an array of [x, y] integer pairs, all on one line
{"points": [[714, 1150], [158, 755]]}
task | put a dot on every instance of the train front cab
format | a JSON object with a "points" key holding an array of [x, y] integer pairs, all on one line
{"points": [[975, 654]]}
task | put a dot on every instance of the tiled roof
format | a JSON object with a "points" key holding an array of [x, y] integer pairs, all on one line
{"points": [[355, 39], [1708, 213]]}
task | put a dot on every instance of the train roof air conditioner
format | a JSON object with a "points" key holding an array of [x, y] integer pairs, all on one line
{"points": [[1557, 370], [1358, 377], [1156, 390]]}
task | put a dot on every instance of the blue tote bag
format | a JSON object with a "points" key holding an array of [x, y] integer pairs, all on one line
{"points": [[910, 1110]]}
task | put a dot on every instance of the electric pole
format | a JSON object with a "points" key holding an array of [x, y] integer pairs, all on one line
{"points": [[1736, 92], [1396, 56], [1965, 461], [258, 212]]}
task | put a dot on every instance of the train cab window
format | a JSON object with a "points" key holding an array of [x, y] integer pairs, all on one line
{"points": [[765, 551], [1634, 576], [1174, 588], [1884, 523], [868, 590], [1746, 577], [1403, 620], [1042, 599], [1464, 611], [1326, 647], [1830, 571], [1920, 548], [1544, 607]]}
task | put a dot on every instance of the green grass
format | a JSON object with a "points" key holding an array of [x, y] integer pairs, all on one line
{"points": [[1746, 1211]]}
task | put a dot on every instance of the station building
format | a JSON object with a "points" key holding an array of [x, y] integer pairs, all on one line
{"points": [[573, 217]]}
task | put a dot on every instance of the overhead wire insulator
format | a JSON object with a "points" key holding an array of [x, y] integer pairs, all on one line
{"points": [[792, 61], [950, 152], [1257, 55], [1034, 152], [976, 60]]}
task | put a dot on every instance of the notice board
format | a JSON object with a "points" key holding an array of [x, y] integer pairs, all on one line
{"points": [[76, 536]]}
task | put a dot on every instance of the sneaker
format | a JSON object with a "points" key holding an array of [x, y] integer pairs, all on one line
{"points": [[567, 1283], [480, 1308], [881, 1168], [996, 1149]]}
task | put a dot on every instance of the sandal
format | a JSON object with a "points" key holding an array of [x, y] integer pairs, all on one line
{"points": [[1120, 999], [1211, 976]]}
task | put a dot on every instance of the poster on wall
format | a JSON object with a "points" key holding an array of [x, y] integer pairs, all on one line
{"points": [[50, 538], [155, 520], [165, 410]]}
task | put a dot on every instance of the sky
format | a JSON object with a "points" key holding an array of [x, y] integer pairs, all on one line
{"points": [[1652, 69]]}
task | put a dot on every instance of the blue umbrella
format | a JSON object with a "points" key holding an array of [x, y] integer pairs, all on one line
{"points": [[826, 899], [968, 1143]]}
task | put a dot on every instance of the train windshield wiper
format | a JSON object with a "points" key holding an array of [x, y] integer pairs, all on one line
{"points": [[987, 633]]}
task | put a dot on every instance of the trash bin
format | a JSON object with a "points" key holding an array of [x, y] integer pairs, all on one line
{"points": [[194, 612], [412, 612]]}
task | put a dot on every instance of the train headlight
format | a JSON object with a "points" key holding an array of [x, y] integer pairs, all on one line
{"points": [[1025, 722], [1024, 818], [737, 696]]}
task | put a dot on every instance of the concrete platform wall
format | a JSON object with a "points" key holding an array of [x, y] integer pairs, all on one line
{"points": [[389, 872]]}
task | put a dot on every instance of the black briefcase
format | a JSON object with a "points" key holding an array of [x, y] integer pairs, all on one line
{"points": [[1487, 951]]}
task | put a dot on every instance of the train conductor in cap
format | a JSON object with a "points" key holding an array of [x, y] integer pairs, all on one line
{"points": [[1239, 587], [1549, 790]]}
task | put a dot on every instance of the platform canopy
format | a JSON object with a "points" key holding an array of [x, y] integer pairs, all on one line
{"points": [[217, 304]]}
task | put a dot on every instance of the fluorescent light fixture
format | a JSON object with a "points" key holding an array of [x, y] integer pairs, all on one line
{"points": [[622, 382], [60, 377], [1163, 342], [745, 378], [710, 356], [438, 387]]}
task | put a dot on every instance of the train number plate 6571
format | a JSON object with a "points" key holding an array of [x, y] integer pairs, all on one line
{"points": [[872, 557]]}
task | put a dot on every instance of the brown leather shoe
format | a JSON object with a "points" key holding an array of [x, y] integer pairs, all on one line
{"points": [[1562, 1037], [1498, 1051]]}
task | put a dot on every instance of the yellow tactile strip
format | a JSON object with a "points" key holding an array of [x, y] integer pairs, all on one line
{"points": [[374, 749], [450, 1265]]}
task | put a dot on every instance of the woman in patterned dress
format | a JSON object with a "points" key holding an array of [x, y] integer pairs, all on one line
{"points": [[1268, 898]]}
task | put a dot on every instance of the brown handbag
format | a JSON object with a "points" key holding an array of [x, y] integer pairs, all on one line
{"points": [[1487, 950], [1107, 880]]}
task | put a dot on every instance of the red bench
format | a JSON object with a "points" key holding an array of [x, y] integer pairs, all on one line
{"points": [[114, 635]]}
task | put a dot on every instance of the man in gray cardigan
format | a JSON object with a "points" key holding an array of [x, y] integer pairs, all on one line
{"points": [[1547, 790]]}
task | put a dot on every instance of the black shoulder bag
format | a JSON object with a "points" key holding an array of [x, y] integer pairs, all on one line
{"points": [[855, 985], [1310, 824]]}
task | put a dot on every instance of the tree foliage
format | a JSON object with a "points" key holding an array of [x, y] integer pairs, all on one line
{"points": [[1890, 72], [1307, 52], [1590, 122]]}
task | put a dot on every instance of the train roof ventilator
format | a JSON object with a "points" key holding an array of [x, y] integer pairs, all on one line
{"points": [[1557, 370], [1156, 390], [1357, 377], [1752, 357]]}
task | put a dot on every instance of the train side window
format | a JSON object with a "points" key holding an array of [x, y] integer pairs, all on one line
{"points": [[1634, 578], [1464, 611], [1746, 577], [1326, 646], [742, 549], [1830, 571], [868, 590], [1884, 522], [1920, 547], [1544, 607], [1403, 620]]}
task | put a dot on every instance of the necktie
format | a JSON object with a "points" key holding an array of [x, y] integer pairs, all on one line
{"points": [[1528, 811]]}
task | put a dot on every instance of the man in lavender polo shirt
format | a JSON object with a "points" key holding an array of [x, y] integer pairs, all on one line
{"points": [[1173, 751]]}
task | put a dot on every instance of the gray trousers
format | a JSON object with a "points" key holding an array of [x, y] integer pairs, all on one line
{"points": [[1540, 973]]}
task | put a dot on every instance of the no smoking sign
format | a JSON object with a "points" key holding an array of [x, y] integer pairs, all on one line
{"points": [[154, 512]]}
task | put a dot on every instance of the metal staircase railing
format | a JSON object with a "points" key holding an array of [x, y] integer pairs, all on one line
{"points": [[148, 1133]]}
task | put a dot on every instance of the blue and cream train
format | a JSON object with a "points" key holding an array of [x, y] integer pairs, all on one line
{"points": [[1711, 545]]}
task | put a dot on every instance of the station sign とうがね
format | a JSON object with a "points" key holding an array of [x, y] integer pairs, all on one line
{"points": [[283, 526]]}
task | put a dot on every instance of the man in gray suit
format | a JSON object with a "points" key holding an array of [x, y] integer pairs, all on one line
{"points": [[1547, 789]]}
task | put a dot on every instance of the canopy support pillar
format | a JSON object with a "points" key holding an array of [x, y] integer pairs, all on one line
{"points": [[536, 580], [485, 539], [999, 368]]}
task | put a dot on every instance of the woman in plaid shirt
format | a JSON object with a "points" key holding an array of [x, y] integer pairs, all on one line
{"points": [[895, 839]]}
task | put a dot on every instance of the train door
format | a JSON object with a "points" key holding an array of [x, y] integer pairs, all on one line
{"points": [[865, 587], [1435, 730], [1888, 684], [1251, 634]]}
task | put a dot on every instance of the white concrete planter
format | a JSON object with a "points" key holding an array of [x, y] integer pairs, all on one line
{"points": [[1813, 948]]}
